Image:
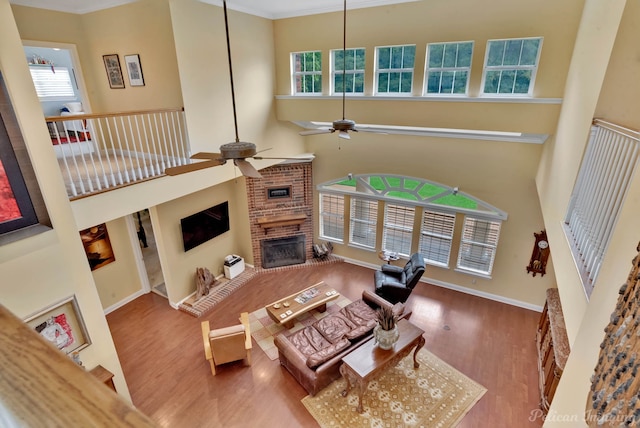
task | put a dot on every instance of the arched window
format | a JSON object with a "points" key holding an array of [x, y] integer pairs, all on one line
{"points": [[415, 215]]}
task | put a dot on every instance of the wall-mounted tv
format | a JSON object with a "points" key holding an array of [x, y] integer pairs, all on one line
{"points": [[205, 225]]}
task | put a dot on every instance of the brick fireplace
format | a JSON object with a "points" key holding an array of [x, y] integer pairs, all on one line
{"points": [[281, 206]]}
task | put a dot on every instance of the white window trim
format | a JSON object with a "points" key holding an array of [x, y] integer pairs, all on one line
{"points": [[378, 71], [427, 69], [323, 214], [334, 72], [486, 274], [386, 226], [449, 238], [534, 70], [295, 73]]}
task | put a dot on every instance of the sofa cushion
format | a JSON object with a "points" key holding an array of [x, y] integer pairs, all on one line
{"points": [[326, 353], [361, 315], [308, 341], [334, 327]]}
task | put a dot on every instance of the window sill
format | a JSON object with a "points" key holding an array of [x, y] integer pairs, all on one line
{"points": [[431, 98], [470, 272]]}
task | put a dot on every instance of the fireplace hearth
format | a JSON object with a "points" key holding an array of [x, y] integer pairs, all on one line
{"points": [[283, 251]]}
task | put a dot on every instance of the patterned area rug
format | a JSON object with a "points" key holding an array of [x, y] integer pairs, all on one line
{"points": [[435, 395], [264, 329]]}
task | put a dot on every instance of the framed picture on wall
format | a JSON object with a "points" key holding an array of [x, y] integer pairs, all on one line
{"points": [[97, 246], [134, 70], [114, 72], [62, 325]]}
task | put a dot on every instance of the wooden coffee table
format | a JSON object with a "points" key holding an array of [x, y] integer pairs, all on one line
{"points": [[368, 361], [286, 310]]}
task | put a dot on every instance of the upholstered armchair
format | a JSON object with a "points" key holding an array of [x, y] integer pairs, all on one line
{"points": [[395, 283], [228, 344]]}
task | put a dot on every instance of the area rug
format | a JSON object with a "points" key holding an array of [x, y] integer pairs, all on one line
{"points": [[435, 395], [264, 329]]}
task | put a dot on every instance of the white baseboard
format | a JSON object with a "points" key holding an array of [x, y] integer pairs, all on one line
{"points": [[124, 301], [455, 287]]}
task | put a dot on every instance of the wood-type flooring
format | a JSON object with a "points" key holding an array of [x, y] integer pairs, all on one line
{"points": [[162, 357]]}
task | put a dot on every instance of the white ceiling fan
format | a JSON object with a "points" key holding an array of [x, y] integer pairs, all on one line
{"points": [[237, 151], [342, 126]]}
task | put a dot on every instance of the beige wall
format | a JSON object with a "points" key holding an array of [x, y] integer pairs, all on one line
{"points": [[179, 267], [39, 271], [143, 28], [498, 173], [118, 280], [588, 74]]}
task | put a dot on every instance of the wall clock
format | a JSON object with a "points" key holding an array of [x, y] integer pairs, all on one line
{"points": [[539, 255]]}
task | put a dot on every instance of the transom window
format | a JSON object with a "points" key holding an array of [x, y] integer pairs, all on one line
{"points": [[448, 68], [364, 220], [394, 69], [351, 63], [52, 83], [306, 72], [510, 66], [433, 234]]}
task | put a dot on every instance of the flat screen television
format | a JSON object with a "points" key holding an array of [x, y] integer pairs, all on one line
{"points": [[205, 225]]}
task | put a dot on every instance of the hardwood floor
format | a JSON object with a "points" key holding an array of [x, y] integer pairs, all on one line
{"points": [[161, 353]]}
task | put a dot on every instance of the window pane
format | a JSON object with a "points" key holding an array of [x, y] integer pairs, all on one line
{"points": [[338, 60], [409, 55], [332, 216], [523, 80], [384, 57], [317, 83], [360, 57], [436, 55], [479, 241], [364, 216], [359, 83], [436, 235], [433, 82], [450, 54], [394, 82], [383, 82], [530, 52], [506, 81], [447, 82], [396, 57], [464, 54], [407, 82], [491, 82], [460, 82], [50, 84], [337, 82], [512, 52], [349, 82], [398, 229], [495, 52]]}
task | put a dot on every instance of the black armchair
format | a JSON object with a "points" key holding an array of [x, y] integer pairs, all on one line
{"points": [[394, 283]]}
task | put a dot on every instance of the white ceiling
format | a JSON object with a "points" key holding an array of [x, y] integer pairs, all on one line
{"points": [[271, 9]]}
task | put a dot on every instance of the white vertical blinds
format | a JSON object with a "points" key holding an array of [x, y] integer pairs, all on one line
{"points": [[332, 217], [608, 165], [436, 235], [364, 218], [478, 245], [398, 228]]}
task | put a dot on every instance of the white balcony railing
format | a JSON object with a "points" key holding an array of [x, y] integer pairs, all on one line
{"points": [[99, 152]]}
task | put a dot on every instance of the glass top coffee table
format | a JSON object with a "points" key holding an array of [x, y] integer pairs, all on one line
{"points": [[286, 310], [368, 361]]}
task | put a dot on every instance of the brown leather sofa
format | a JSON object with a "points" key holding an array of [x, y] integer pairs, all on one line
{"points": [[313, 354]]}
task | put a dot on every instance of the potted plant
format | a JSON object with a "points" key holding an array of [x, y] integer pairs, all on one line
{"points": [[386, 332]]}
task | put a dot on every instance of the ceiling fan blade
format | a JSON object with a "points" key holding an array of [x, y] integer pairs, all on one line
{"points": [[207, 155], [246, 168], [372, 131], [317, 131], [177, 170], [262, 157]]}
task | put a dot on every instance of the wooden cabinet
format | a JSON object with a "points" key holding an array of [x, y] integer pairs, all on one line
{"points": [[553, 347]]}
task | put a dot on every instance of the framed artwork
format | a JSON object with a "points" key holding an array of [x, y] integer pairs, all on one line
{"points": [[114, 72], [97, 246], [134, 69], [62, 325]]}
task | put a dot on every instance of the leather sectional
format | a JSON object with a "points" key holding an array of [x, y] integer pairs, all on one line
{"points": [[313, 354]]}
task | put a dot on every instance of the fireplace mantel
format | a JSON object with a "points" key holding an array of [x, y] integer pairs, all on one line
{"points": [[281, 220]]}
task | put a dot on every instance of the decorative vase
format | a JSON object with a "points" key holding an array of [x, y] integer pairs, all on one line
{"points": [[385, 338]]}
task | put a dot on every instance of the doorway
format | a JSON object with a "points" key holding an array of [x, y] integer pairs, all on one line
{"points": [[150, 258]]}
